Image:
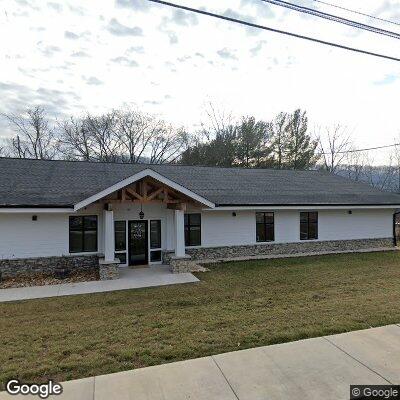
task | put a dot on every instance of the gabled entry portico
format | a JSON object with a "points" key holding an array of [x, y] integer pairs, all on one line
{"points": [[150, 216]]}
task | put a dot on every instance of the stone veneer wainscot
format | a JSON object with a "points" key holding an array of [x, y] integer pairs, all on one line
{"points": [[48, 265]]}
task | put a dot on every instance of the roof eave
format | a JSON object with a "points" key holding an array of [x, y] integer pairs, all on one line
{"points": [[136, 177]]}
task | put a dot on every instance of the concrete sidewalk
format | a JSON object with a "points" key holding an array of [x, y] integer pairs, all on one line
{"points": [[320, 368], [158, 275]]}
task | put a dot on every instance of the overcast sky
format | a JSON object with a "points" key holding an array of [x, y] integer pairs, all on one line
{"points": [[73, 56]]}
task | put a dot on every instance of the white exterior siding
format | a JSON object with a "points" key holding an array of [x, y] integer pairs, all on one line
{"points": [[20, 237], [361, 224], [220, 228]]}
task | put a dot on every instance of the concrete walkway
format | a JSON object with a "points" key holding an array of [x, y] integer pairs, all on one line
{"points": [[320, 368], [129, 279]]}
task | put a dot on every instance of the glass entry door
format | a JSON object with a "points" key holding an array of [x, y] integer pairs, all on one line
{"points": [[138, 243]]}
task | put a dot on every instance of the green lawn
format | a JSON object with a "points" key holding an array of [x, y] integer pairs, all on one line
{"points": [[235, 306]]}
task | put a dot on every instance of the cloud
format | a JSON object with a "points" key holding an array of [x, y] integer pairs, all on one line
{"points": [[262, 9], [118, 29], [233, 14], [183, 18], [135, 49], [125, 62], [255, 50], [139, 5], [55, 6], [49, 51], [170, 65], [92, 80], [152, 102], [80, 54], [25, 3], [389, 10], [71, 35], [184, 58], [227, 54], [37, 28], [18, 98], [77, 10], [387, 80], [173, 37]]}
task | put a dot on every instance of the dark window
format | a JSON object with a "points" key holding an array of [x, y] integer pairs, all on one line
{"points": [[265, 227], [308, 225], [192, 229], [155, 234], [120, 235], [155, 255], [121, 257], [82, 234]]}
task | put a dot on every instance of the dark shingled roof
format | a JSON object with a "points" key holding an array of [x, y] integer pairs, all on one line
{"points": [[64, 183]]}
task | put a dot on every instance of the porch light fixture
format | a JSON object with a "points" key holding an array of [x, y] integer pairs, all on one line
{"points": [[141, 214]]}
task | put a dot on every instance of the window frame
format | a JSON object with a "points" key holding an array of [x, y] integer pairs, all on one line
{"points": [[266, 224], [115, 241], [154, 250], [83, 230], [309, 223], [188, 226], [121, 252], [158, 221]]}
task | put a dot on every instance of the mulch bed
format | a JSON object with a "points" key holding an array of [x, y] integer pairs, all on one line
{"points": [[42, 280]]}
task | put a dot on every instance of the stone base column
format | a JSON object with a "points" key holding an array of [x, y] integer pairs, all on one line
{"points": [[184, 264], [108, 270]]}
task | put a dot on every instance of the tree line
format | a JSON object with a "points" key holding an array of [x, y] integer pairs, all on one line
{"points": [[125, 135], [132, 136]]}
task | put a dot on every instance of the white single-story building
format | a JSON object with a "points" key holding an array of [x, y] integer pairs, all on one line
{"points": [[65, 214]]}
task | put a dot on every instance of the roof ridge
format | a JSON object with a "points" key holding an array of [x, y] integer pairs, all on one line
{"points": [[163, 165]]}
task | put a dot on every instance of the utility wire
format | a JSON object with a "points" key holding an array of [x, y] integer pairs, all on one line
{"points": [[332, 17], [359, 150], [239, 21], [356, 12]]}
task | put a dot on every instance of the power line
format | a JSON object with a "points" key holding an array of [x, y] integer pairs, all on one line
{"points": [[239, 21], [359, 150], [356, 12], [332, 17]]}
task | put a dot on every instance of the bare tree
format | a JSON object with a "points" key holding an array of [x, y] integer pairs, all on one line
{"points": [[135, 131], [102, 131], [396, 157], [218, 121], [355, 164], [122, 135], [36, 137], [167, 145], [76, 140], [382, 177], [3, 150], [334, 147]]}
